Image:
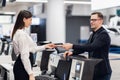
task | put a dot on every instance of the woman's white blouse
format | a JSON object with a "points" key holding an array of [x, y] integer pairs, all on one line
{"points": [[23, 45]]}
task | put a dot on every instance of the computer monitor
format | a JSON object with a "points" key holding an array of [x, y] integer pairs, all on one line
{"points": [[2, 3], [13, 55], [82, 68], [61, 72], [76, 69], [12, 0]]}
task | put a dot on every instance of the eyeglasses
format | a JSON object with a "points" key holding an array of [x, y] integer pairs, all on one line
{"points": [[94, 20]]}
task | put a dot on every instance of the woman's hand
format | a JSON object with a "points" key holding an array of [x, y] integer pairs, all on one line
{"points": [[31, 77], [51, 45]]}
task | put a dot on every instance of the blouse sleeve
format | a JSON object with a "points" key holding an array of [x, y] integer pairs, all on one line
{"points": [[33, 46]]}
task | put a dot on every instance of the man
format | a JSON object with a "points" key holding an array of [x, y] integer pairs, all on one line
{"points": [[97, 47]]}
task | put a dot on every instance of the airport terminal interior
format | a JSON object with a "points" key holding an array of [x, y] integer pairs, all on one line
{"points": [[59, 22]]}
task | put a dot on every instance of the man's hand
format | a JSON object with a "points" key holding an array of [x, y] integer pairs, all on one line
{"points": [[31, 77], [67, 46], [67, 53]]}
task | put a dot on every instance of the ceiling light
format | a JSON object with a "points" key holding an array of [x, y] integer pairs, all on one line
{"points": [[77, 2], [42, 1]]}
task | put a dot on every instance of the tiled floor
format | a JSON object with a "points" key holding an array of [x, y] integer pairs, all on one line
{"points": [[115, 64]]}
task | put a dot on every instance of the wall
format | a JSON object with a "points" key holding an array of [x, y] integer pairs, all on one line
{"points": [[81, 10], [73, 24]]}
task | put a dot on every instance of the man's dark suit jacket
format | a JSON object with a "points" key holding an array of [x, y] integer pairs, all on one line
{"points": [[97, 47]]}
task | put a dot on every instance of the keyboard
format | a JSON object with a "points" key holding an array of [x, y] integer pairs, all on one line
{"points": [[44, 77]]}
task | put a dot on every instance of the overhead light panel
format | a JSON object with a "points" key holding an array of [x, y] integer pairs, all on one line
{"points": [[77, 2], [42, 1]]}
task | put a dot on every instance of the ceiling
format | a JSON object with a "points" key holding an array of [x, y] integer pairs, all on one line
{"points": [[31, 2], [10, 6]]}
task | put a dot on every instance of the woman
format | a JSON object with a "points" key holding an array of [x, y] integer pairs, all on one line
{"points": [[23, 46]]}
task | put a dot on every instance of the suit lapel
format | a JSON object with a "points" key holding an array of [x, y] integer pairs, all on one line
{"points": [[90, 39]]}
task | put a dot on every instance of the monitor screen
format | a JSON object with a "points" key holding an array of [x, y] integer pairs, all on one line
{"points": [[35, 21], [2, 3], [5, 19], [39, 28], [7, 29], [78, 67]]}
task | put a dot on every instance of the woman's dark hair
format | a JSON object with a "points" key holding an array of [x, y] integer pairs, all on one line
{"points": [[19, 24]]}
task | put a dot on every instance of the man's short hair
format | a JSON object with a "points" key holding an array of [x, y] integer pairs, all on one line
{"points": [[100, 15]]}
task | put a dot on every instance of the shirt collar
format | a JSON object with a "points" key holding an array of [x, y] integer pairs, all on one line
{"points": [[99, 30]]}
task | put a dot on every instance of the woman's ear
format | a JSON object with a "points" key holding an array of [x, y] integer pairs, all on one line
{"points": [[24, 19]]}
